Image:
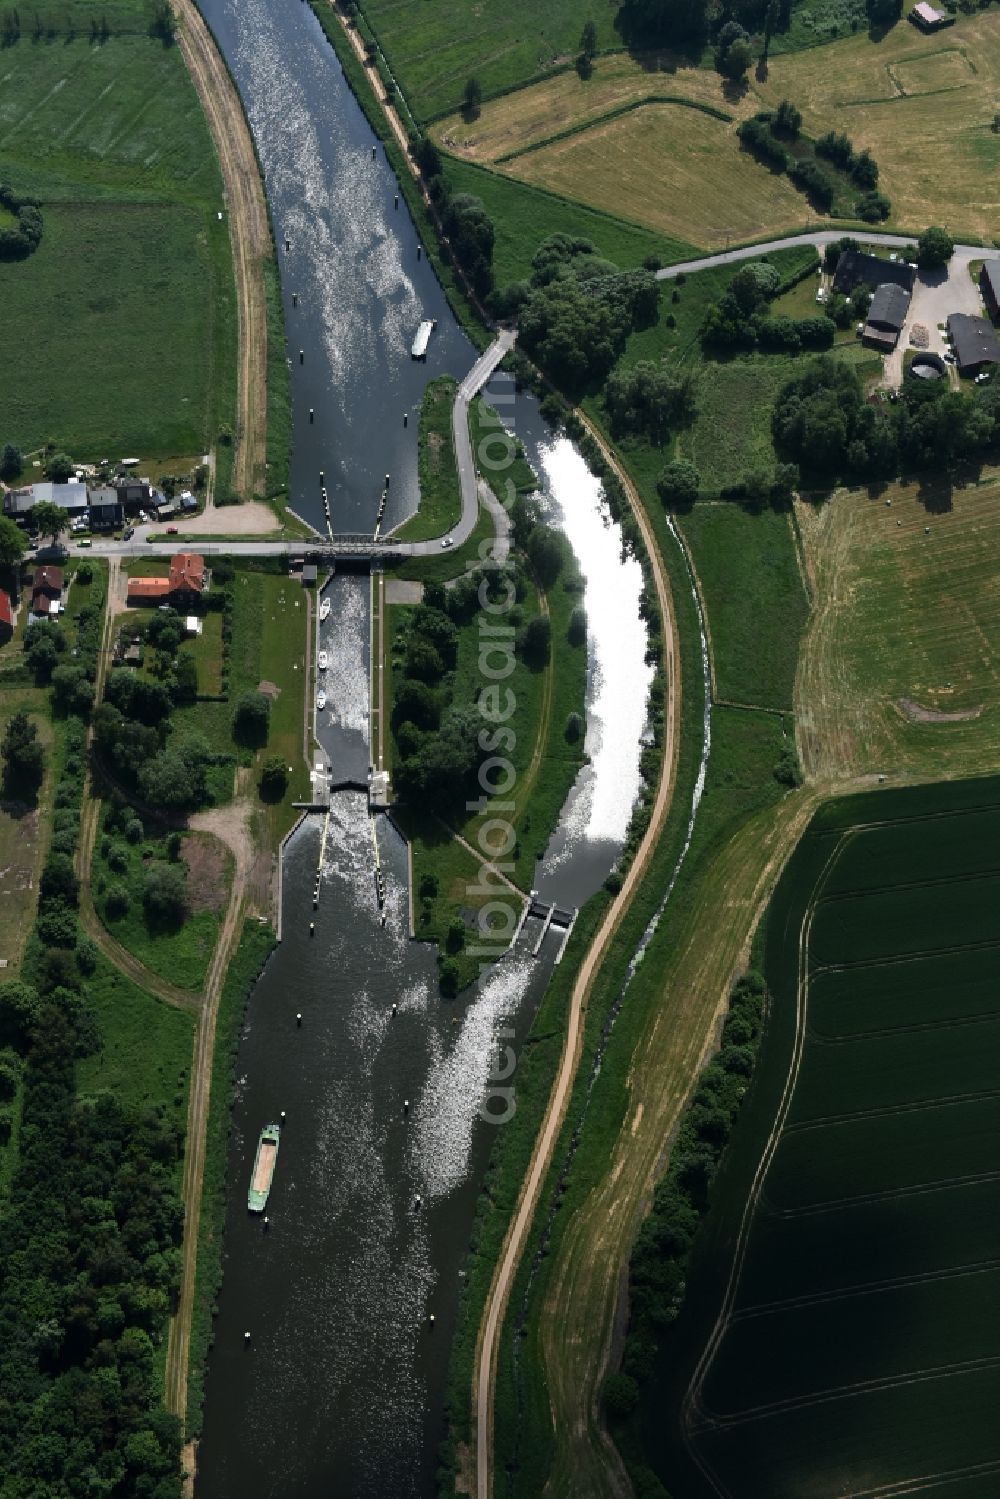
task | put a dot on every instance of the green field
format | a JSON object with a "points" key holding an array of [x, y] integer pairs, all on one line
{"points": [[121, 326], [144, 1056], [434, 46], [754, 596], [524, 215], [858, 1346], [179, 953]]}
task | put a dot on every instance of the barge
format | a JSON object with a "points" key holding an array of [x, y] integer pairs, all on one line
{"points": [[423, 338], [263, 1168]]}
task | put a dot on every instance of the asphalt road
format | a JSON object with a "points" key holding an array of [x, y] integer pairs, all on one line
{"points": [[821, 237]]}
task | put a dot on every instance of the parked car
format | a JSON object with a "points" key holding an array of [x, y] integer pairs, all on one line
{"points": [[84, 541], [171, 530], [128, 533], [448, 541]]}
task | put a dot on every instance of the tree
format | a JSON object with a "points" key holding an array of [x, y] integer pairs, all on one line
{"points": [[427, 157], [736, 60], [650, 399], [534, 641], [884, 13], [546, 554], [59, 881], [19, 1006], [184, 687], [11, 461], [935, 247], [576, 630], [23, 757], [164, 893], [273, 779], [472, 99], [678, 484], [621, 1394], [72, 690], [573, 731], [49, 519], [252, 719], [59, 467], [588, 40], [12, 542], [455, 937], [787, 120], [471, 234]]}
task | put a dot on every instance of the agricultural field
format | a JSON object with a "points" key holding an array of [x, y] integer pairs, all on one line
{"points": [[434, 46], [129, 297], [755, 599], [855, 1346], [899, 672], [938, 159], [674, 169]]}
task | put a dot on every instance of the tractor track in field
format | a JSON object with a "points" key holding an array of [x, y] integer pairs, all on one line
{"points": [[249, 234]]}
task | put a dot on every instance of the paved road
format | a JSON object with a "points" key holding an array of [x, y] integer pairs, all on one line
{"points": [[820, 237]]}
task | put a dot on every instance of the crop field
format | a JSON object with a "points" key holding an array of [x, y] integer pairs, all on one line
{"points": [[755, 599], [121, 325], [899, 672], [855, 1349], [434, 46], [923, 105]]}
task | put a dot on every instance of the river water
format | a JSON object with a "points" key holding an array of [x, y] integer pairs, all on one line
{"points": [[340, 1391]]}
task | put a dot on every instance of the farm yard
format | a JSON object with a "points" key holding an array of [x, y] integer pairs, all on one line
{"points": [[899, 671], [923, 105], [129, 295], [855, 1345]]}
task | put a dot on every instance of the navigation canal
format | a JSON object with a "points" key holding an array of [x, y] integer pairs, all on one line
{"points": [[341, 1390]]}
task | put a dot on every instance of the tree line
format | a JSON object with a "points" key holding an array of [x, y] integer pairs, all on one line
{"points": [[89, 1241]]}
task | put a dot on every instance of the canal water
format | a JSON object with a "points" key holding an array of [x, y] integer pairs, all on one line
{"points": [[341, 1390]]}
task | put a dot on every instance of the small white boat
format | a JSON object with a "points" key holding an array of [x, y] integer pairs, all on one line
{"points": [[324, 609], [322, 661], [423, 338], [321, 700]]}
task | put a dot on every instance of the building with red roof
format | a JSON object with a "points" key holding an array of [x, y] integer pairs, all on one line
{"points": [[187, 572], [148, 590], [6, 618]]}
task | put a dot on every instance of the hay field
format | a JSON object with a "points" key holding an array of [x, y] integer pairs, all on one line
{"points": [[858, 1346], [671, 168], [900, 670], [922, 104]]}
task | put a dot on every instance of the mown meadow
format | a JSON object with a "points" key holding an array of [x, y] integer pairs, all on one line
{"points": [[121, 326]]}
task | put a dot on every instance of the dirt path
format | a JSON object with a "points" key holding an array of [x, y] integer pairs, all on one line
{"points": [[250, 236], [484, 1375], [231, 825]]}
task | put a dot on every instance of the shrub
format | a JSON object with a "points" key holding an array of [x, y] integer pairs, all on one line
{"points": [[117, 902], [574, 728]]}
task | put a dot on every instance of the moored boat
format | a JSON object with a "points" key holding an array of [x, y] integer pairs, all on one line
{"points": [[263, 1167], [423, 338], [324, 609], [321, 699], [322, 661]]}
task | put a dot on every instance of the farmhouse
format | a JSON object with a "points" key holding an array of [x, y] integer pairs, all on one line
{"points": [[17, 503], [975, 343], [46, 590], [886, 317], [6, 618], [855, 268], [133, 493], [926, 18], [187, 574], [989, 285]]}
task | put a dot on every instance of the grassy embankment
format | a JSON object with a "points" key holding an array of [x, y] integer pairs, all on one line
{"points": [[545, 696], [598, 141], [893, 1089], [129, 298], [440, 496], [256, 944]]}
